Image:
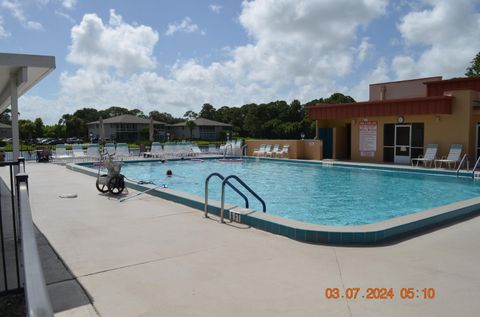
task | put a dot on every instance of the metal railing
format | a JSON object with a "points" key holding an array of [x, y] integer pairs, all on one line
{"points": [[9, 223], [225, 182], [475, 167], [36, 294], [464, 160], [244, 149], [228, 183]]}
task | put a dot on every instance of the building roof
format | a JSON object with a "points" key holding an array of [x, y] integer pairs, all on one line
{"points": [[28, 69], [5, 126], [127, 118], [435, 102], [410, 106], [203, 122]]}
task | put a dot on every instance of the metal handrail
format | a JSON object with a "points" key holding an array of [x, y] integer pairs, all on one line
{"points": [[465, 157], [225, 181], [475, 167], [225, 150], [228, 183], [36, 295], [244, 149]]}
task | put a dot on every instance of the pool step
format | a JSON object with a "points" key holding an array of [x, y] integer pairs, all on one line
{"points": [[476, 175]]}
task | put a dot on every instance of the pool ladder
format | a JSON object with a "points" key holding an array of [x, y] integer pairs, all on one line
{"points": [[226, 181]]}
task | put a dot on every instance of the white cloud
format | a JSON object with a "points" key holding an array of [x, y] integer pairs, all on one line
{"points": [[18, 13], [447, 31], [215, 8], [69, 4], [117, 45], [360, 92], [298, 50], [65, 16], [3, 33], [363, 49], [185, 26]]}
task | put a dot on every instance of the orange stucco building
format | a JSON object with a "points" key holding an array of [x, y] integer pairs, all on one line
{"points": [[400, 119]]}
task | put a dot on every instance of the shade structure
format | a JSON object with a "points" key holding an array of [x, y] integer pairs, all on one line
{"points": [[19, 73]]}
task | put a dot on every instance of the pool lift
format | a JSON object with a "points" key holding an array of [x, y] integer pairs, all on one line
{"points": [[112, 182]]}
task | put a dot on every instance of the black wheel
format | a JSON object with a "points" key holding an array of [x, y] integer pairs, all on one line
{"points": [[101, 187], [116, 185]]}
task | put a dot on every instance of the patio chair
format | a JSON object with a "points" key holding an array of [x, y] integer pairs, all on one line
{"points": [[196, 150], [429, 156], [284, 151], [78, 151], [156, 150], [273, 151], [93, 151], [60, 153], [212, 149], [109, 148], [122, 150], [453, 156], [259, 151]]}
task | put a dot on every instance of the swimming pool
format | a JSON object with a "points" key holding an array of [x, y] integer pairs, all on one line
{"points": [[313, 193]]}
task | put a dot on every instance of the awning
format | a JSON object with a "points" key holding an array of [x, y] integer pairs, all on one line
{"points": [[19, 73], [411, 106]]}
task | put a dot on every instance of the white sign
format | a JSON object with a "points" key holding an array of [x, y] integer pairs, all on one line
{"points": [[368, 138]]}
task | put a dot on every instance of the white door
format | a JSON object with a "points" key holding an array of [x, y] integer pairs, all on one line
{"points": [[403, 137]]}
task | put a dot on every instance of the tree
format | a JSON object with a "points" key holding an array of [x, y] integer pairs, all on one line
{"points": [[474, 69], [26, 129], [164, 117], [190, 115], [191, 125], [208, 112], [39, 127]]}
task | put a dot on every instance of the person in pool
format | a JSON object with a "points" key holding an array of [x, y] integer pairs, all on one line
{"points": [[169, 173]]}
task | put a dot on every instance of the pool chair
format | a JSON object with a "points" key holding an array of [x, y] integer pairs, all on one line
{"points": [[122, 150], [78, 152], [93, 151], [109, 148], [429, 156], [273, 151], [260, 150], [155, 151], [60, 153], [196, 150], [453, 156], [284, 151], [212, 149]]}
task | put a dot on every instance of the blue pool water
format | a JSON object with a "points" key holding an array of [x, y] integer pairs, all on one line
{"points": [[337, 196]]}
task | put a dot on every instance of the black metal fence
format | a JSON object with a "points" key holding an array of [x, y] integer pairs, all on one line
{"points": [[10, 277]]}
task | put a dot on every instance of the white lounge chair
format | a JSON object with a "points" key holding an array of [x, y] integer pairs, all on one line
{"points": [[109, 148], [453, 156], [284, 151], [93, 151], [61, 153], [196, 150], [78, 151], [429, 156], [156, 150], [259, 151], [122, 150], [273, 151]]}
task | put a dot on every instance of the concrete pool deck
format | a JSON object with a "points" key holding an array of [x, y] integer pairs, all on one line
{"points": [[151, 257]]}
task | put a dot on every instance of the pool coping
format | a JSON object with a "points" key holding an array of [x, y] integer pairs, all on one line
{"points": [[370, 234]]}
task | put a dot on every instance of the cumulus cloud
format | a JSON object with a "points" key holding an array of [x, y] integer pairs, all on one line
{"points": [[379, 74], [298, 50], [117, 45], [185, 26], [215, 8], [18, 13], [448, 32]]}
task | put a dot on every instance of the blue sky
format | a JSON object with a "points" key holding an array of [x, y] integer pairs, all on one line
{"points": [[173, 56]]}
